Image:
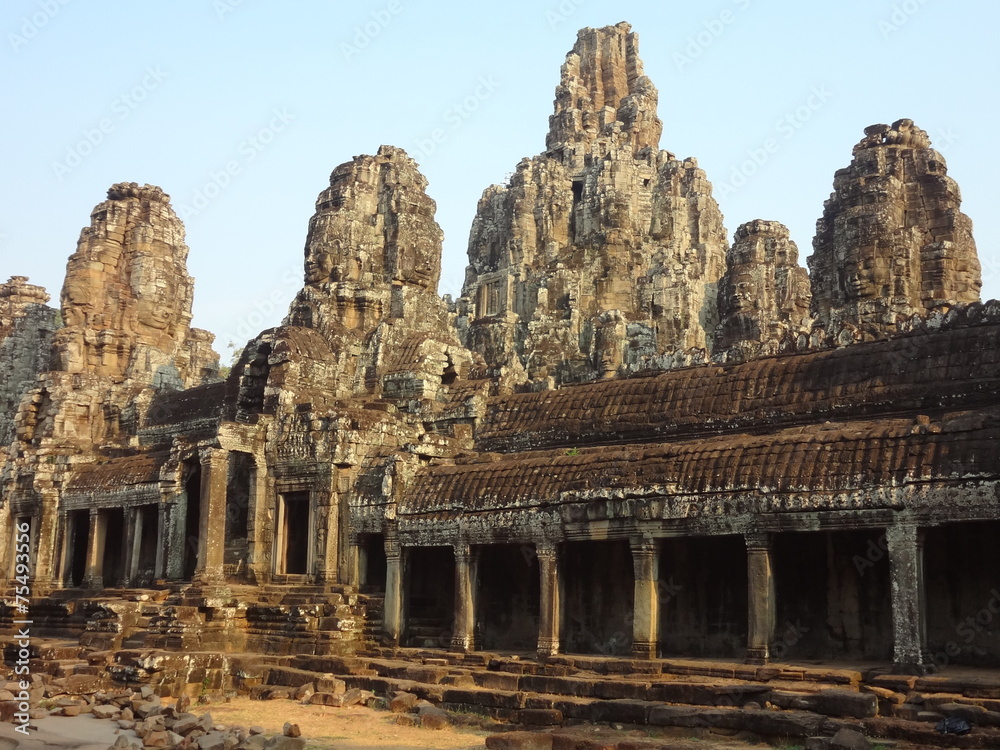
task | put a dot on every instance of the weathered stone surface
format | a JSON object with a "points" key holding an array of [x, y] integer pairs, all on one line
{"points": [[892, 242], [764, 295], [848, 739], [27, 325], [126, 301], [603, 254], [373, 260]]}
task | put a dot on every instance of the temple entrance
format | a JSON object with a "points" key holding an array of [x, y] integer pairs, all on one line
{"points": [[702, 595], [113, 572], [371, 563], [598, 593], [962, 586], [145, 565], [192, 519], [429, 584], [78, 529], [240, 482], [507, 601], [833, 596], [293, 535]]}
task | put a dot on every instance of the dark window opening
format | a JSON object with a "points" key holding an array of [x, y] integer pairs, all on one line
{"points": [[78, 528], [450, 374], [239, 488], [430, 597], [371, 562], [296, 533], [148, 543], [192, 519], [113, 570]]}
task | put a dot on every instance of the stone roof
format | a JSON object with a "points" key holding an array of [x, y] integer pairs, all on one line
{"points": [[117, 473], [930, 372], [831, 457]]}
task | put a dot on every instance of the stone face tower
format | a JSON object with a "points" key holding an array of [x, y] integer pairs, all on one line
{"points": [[372, 265], [602, 253], [764, 295], [892, 241], [126, 301]]}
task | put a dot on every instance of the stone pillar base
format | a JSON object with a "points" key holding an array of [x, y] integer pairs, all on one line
{"points": [[547, 648], [462, 645], [644, 649], [757, 657]]}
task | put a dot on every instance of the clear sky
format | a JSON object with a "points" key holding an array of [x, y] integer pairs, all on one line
{"points": [[240, 109]]}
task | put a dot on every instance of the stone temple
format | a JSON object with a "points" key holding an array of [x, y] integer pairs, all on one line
{"points": [[630, 451]]}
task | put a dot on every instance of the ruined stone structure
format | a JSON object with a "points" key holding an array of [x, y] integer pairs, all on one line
{"points": [[604, 253], [764, 295], [892, 241], [626, 438]]}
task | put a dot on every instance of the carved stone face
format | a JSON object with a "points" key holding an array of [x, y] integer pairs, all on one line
{"points": [[318, 266], [79, 294], [155, 292]]}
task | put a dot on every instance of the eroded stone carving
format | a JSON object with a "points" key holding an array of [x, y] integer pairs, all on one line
{"points": [[602, 226], [127, 297], [26, 327], [892, 241], [764, 296]]}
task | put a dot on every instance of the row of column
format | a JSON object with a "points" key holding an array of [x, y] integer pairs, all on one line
{"points": [[211, 537], [905, 548], [97, 539]]}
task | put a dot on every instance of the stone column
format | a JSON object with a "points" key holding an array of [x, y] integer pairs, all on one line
{"points": [[906, 570], [66, 550], [392, 608], [355, 561], [159, 562], [212, 524], [760, 598], [464, 629], [94, 577], [260, 529], [44, 544], [170, 561], [549, 613], [134, 541], [646, 607]]}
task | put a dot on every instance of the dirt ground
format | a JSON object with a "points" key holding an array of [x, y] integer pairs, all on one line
{"points": [[354, 728]]}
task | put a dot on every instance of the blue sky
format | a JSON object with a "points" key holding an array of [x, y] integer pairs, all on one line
{"points": [[241, 109]]}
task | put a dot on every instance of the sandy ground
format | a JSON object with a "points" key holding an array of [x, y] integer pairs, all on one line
{"points": [[325, 728], [354, 728]]}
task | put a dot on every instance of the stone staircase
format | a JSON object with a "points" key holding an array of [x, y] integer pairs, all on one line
{"points": [[374, 605], [791, 703]]}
